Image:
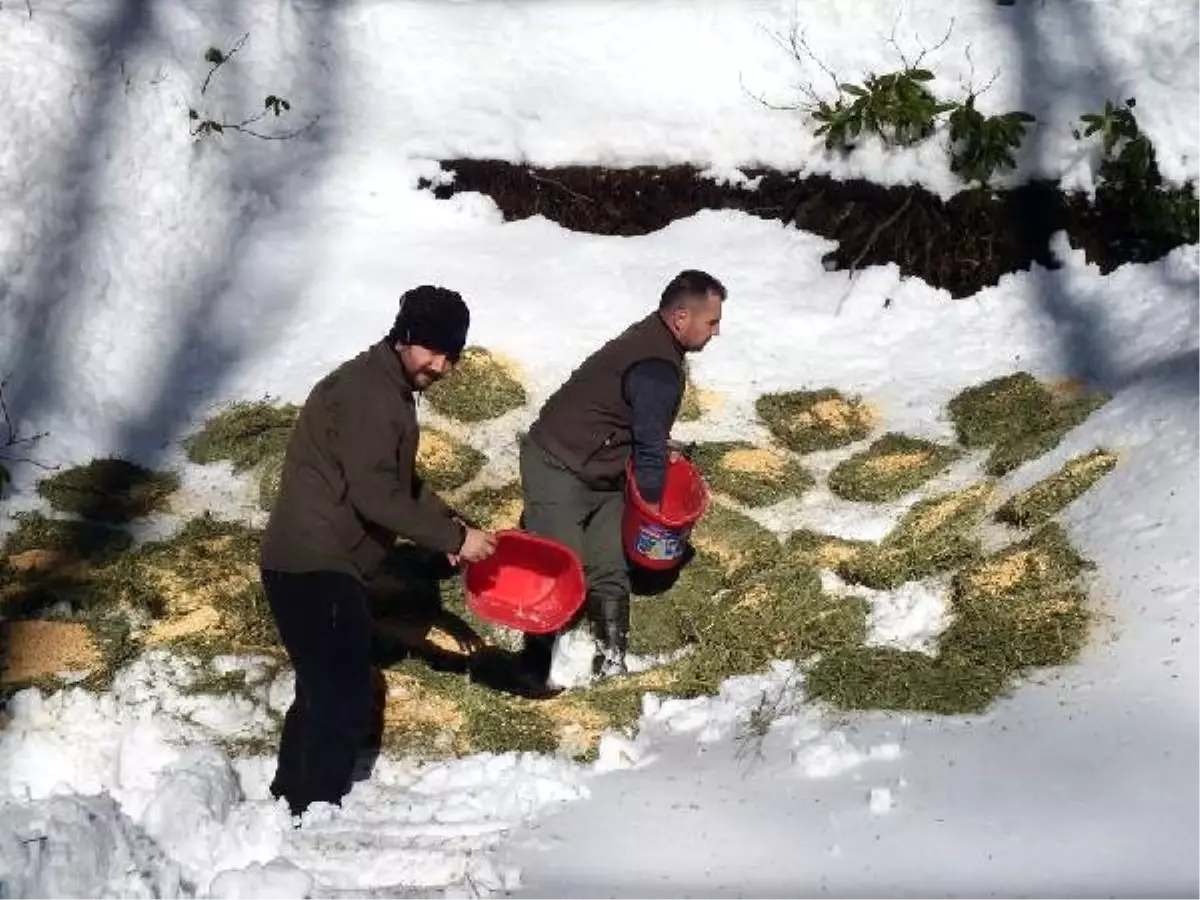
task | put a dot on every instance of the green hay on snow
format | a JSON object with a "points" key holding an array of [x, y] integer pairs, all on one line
{"points": [[891, 467], [477, 389], [109, 490], [934, 536], [751, 475], [245, 434], [1038, 503], [805, 421]]}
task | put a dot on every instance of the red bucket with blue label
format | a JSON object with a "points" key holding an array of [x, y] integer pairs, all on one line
{"points": [[657, 539]]}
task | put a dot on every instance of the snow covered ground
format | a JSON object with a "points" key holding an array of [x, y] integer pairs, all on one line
{"points": [[145, 279]]}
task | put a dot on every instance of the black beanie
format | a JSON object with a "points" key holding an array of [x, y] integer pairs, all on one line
{"points": [[433, 317]]}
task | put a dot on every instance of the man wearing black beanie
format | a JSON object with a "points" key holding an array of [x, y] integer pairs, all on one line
{"points": [[347, 491]]}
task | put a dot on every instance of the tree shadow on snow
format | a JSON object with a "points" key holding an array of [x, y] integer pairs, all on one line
{"points": [[67, 281], [1088, 351]]}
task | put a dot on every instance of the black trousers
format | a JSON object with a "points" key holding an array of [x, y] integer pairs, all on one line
{"points": [[324, 623]]}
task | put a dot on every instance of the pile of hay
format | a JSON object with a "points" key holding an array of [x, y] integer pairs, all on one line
{"points": [[756, 476], [822, 551], [1013, 611], [250, 436], [735, 543], [891, 467], [444, 462], [1019, 417], [482, 386], [1037, 504], [493, 508], [936, 535], [804, 421], [109, 490], [781, 614]]}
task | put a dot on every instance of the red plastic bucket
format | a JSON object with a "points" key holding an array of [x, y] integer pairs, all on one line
{"points": [[531, 583], [657, 540]]}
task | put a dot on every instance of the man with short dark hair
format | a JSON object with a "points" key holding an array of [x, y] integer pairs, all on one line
{"points": [[622, 400], [348, 489]]}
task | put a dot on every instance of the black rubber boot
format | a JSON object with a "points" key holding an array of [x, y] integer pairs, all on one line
{"points": [[533, 662], [610, 625]]}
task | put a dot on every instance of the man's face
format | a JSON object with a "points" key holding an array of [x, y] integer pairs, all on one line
{"points": [[424, 366], [699, 322]]}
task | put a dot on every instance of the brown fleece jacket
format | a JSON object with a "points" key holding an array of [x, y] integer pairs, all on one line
{"points": [[348, 487]]}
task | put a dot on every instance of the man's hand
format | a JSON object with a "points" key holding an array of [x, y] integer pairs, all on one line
{"points": [[478, 545]]}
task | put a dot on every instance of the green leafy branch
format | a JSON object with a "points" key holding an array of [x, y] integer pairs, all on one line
{"points": [[897, 107], [1133, 160], [273, 105], [982, 145], [1130, 180]]}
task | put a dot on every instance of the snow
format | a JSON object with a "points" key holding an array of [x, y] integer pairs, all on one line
{"points": [[146, 279], [908, 618], [154, 751]]}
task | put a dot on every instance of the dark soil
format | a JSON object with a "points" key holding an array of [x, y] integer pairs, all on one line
{"points": [[961, 245]]}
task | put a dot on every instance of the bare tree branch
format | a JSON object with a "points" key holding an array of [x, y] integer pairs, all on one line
{"points": [[558, 184], [925, 51], [13, 439], [792, 107], [969, 87], [210, 125], [797, 46], [224, 59]]}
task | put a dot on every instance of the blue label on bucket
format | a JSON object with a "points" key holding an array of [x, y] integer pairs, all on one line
{"points": [[658, 543]]}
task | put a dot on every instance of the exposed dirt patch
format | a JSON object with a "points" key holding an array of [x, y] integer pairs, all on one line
{"points": [[39, 649], [962, 245]]}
